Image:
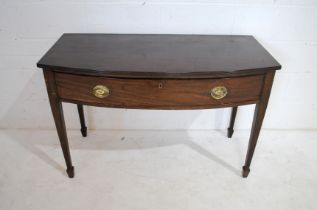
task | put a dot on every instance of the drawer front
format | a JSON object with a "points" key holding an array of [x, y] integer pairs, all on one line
{"points": [[159, 94]]}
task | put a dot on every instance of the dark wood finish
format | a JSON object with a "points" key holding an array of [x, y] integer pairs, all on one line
{"points": [[159, 94], [257, 121], [232, 120], [158, 72], [58, 115], [83, 128], [158, 56]]}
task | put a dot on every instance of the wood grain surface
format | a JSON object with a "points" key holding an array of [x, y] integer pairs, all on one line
{"points": [[158, 56]]}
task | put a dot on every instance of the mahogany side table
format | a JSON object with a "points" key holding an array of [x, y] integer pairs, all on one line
{"points": [[158, 72]]}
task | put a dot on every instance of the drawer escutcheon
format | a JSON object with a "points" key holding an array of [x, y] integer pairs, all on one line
{"points": [[101, 91]]}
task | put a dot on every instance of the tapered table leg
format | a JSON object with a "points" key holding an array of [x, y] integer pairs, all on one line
{"points": [[257, 121], [232, 120], [57, 110], [82, 120]]}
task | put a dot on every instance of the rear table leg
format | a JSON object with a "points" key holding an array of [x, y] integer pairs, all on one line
{"points": [[232, 120], [82, 120]]}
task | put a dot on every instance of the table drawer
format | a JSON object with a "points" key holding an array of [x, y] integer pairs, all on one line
{"points": [[159, 93]]}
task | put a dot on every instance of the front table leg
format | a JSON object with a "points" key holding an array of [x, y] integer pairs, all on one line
{"points": [[257, 121], [57, 110]]}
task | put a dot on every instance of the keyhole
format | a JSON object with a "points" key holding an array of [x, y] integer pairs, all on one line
{"points": [[160, 85]]}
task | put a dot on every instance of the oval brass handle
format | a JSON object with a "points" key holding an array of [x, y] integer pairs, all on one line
{"points": [[219, 92], [101, 91]]}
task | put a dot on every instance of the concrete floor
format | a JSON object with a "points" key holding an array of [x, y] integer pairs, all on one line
{"points": [[157, 170]]}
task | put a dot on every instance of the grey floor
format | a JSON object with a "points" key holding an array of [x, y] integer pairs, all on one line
{"points": [[157, 170]]}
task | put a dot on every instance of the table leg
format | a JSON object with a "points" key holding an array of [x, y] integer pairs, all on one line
{"points": [[232, 120], [57, 110], [82, 120], [257, 121]]}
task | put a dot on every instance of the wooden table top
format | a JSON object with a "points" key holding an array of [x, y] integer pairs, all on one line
{"points": [[158, 56]]}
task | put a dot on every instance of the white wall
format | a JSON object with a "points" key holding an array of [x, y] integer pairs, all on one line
{"points": [[287, 28]]}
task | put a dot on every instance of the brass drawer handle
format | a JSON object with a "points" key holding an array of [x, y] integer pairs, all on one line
{"points": [[101, 91], [219, 92]]}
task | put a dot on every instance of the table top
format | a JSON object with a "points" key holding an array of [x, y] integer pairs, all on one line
{"points": [[158, 56]]}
